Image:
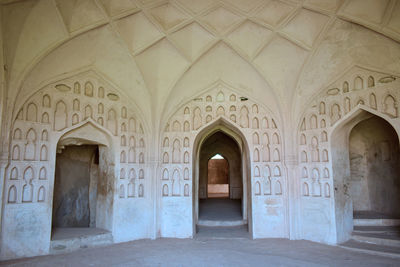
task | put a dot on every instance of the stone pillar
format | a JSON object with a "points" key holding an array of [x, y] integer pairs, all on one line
{"points": [[294, 196], [291, 163], [154, 167]]}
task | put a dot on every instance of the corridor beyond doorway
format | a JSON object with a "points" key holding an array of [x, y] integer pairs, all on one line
{"points": [[224, 209], [220, 204]]}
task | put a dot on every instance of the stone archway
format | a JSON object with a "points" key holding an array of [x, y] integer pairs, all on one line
{"points": [[364, 147], [256, 131], [243, 192], [82, 197]]}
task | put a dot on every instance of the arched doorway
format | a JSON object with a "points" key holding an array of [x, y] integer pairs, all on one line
{"points": [[374, 182], [223, 200], [82, 200], [220, 181], [366, 172]]}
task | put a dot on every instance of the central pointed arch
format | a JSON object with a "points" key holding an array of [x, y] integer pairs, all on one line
{"points": [[227, 128]]}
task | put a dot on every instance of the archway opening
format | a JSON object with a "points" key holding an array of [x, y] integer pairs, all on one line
{"points": [[75, 190], [83, 189], [374, 183], [366, 171], [220, 181], [218, 177]]}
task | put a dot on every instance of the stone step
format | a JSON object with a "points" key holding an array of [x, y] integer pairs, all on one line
{"points": [[221, 223], [376, 222], [377, 229], [381, 250], [383, 238], [229, 232], [72, 243]]}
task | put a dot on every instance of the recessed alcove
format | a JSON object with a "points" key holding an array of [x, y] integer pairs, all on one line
{"points": [[366, 171], [82, 210], [75, 187], [374, 183]]}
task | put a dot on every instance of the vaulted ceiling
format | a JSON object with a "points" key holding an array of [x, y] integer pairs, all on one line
{"points": [[163, 52]]}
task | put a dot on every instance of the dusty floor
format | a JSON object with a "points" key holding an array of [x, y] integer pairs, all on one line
{"points": [[224, 209], [70, 232], [205, 250]]}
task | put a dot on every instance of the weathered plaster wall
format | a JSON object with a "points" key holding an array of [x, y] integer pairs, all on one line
{"points": [[374, 183]]}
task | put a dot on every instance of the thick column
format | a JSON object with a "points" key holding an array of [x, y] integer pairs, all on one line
{"points": [[291, 164]]}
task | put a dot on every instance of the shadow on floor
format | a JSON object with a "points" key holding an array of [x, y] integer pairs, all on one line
{"points": [[220, 209]]}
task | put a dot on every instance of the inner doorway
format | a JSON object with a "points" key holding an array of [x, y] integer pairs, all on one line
{"points": [[220, 181], [218, 177], [374, 183], [366, 172], [75, 191]]}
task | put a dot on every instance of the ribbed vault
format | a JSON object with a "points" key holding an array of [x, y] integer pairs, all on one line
{"points": [[149, 48]]}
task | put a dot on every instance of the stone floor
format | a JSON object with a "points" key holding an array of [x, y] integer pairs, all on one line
{"points": [[75, 232], [208, 249], [220, 209]]}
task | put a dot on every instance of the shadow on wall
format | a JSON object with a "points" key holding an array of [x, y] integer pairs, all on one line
{"points": [[75, 188]]}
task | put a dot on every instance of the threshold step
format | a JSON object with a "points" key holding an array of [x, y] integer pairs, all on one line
{"points": [[376, 222], [377, 229], [70, 239], [221, 223], [229, 232], [373, 249], [384, 239]]}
